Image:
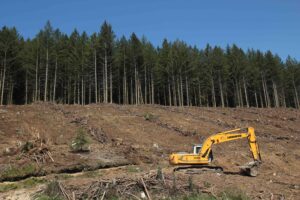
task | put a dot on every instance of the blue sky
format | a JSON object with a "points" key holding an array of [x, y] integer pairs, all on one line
{"points": [[258, 24]]}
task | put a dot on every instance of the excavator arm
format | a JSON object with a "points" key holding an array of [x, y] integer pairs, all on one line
{"points": [[229, 136]]}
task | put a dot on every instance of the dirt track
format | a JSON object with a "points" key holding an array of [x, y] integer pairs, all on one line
{"points": [[144, 136]]}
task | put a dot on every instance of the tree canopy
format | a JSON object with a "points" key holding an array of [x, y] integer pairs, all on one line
{"points": [[101, 68]]}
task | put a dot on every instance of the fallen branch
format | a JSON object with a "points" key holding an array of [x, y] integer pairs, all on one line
{"points": [[50, 156], [103, 195], [146, 190], [132, 195]]}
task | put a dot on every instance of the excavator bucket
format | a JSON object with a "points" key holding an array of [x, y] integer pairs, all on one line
{"points": [[250, 169]]}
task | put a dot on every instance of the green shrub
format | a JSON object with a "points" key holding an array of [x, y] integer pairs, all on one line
{"points": [[81, 142], [148, 116], [26, 147]]}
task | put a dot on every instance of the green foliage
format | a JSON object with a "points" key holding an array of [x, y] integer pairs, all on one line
{"points": [[7, 187], [27, 146], [133, 71], [149, 116], [14, 172], [80, 142]]}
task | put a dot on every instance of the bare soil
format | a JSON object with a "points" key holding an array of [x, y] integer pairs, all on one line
{"points": [[129, 142]]}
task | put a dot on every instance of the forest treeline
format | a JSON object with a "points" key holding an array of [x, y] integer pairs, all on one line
{"points": [[100, 68]]}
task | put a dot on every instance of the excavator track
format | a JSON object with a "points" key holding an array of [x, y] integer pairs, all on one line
{"points": [[198, 169]]}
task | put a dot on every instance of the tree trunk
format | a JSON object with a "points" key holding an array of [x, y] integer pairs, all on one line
{"points": [[46, 79], [241, 95], [266, 93], [221, 91], [103, 82], [181, 90], [283, 99], [152, 87], [237, 94], [36, 77], [74, 93], [110, 84], [261, 99], [82, 91], [256, 102], [135, 85], [54, 84], [245, 92], [174, 90], [3, 79], [213, 94], [187, 92], [200, 98], [69, 92], [169, 92], [26, 87], [125, 95], [145, 68], [39, 90], [131, 91], [106, 81], [276, 99], [178, 92], [78, 91], [95, 74], [296, 95]]}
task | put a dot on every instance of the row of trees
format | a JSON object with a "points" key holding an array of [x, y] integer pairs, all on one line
{"points": [[100, 68]]}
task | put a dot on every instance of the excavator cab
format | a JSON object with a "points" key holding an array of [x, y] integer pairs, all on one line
{"points": [[197, 149]]}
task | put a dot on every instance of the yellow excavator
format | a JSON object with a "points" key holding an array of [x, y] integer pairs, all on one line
{"points": [[202, 154]]}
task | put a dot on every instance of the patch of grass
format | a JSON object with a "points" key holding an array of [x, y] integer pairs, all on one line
{"points": [[91, 174], [13, 172], [7, 187], [46, 197], [64, 176], [133, 169], [199, 197], [28, 183], [80, 142], [234, 194]]}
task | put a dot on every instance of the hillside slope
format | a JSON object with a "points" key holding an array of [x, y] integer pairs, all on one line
{"points": [[144, 136]]}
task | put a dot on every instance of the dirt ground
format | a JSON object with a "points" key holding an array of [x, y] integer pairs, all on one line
{"points": [[132, 141]]}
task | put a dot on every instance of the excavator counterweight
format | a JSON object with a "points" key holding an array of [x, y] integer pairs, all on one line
{"points": [[202, 154]]}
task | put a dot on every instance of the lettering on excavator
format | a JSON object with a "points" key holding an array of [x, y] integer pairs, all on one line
{"points": [[234, 136]]}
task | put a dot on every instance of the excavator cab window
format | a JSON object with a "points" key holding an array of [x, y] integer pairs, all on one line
{"points": [[197, 148]]}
